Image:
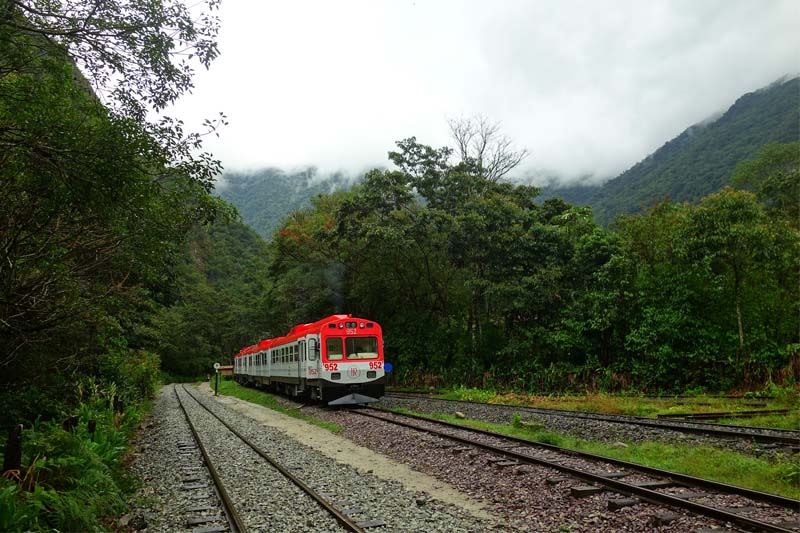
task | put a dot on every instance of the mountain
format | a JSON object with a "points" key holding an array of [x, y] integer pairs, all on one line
{"points": [[700, 160], [265, 197]]}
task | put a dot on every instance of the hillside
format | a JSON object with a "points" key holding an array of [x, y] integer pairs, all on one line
{"points": [[265, 197], [700, 160]]}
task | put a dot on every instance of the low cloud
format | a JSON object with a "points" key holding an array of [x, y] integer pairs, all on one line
{"points": [[590, 88]]}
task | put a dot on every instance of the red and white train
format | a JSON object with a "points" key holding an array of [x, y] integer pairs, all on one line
{"points": [[337, 360]]}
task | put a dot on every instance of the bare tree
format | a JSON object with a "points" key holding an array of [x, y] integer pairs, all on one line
{"points": [[484, 148]]}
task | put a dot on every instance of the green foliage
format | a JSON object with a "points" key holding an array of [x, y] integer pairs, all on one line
{"points": [[96, 203], [477, 285], [96, 199], [220, 293], [70, 480], [774, 176]]}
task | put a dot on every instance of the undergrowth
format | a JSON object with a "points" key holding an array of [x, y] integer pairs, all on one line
{"points": [[71, 480]]}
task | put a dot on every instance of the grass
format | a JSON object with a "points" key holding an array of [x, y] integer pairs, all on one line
{"points": [[788, 421], [640, 405], [231, 388], [780, 477]]}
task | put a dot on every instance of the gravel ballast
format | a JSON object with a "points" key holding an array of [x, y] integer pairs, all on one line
{"points": [[581, 427], [266, 501], [529, 497]]}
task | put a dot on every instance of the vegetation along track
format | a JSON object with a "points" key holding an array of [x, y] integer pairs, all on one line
{"points": [[768, 512], [268, 489], [769, 436]]}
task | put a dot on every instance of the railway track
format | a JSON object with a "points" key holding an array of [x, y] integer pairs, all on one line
{"points": [[775, 437], [652, 485], [237, 524]]}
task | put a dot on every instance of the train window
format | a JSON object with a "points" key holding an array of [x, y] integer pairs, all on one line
{"points": [[362, 347], [333, 347], [332, 326], [370, 324], [312, 350]]}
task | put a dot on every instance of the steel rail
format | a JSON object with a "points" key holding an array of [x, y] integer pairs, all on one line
{"points": [[725, 414], [686, 479], [643, 493], [344, 520], [234, 520], [788, 437]]}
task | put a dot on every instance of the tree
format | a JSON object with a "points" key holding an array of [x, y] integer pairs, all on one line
{"points": [[483, 149], [729, 235], [96, 200], [136, 56], [774, 176]]}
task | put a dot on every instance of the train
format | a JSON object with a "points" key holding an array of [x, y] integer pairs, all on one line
{"points": [[337, 360]]}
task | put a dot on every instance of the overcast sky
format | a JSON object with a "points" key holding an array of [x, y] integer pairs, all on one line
{"points": [[589, 88]]}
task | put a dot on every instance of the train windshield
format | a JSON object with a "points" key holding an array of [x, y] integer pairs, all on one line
{"points": [[362, 347], [333, 347]]}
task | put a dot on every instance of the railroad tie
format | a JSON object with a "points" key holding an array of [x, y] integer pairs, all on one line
{"points": [[582, 491], [664, 519], [197, 520], [653, 485], [741, 510], [210, 529], [370, 523], [619, 503]]}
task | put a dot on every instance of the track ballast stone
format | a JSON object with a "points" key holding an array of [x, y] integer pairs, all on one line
{"points": [[268, 505]]}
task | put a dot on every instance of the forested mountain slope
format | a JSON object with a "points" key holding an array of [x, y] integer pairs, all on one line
{"points": [[218, 299], [700, 160], [265, 197]]}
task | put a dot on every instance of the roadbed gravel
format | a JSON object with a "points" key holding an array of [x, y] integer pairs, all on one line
{"points": [[379, 488]]}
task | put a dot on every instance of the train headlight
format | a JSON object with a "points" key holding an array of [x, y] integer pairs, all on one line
{"points": [[361, 325]]}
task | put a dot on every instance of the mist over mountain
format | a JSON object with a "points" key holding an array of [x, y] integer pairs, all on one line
{"points": [[697, 162], [701, 159], [264, 197]]}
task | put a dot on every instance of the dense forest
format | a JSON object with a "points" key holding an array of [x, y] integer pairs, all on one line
{"points": [[97, 199], [477, 283]]}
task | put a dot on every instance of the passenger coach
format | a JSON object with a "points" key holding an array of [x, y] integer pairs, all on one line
{"points": [[338, 360]]}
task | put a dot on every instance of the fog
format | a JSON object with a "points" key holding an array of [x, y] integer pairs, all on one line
{"points": [[589, 88]]}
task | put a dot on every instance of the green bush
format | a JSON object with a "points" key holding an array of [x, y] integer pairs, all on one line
{"points": [[70, 480]]}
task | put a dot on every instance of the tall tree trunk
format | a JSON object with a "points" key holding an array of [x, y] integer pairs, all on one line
{"points": [[737, 296]]}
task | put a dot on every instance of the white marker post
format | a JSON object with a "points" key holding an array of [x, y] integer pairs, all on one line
{"points": [[216, 378]]}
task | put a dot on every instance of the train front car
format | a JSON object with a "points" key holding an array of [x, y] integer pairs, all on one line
{"points": [[351, 363]]}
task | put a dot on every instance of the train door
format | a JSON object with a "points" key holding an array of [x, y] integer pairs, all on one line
{"points": [[313, 365], [301, 367]]}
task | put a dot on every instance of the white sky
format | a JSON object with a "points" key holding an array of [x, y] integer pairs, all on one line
{"points": [[589, 87]]}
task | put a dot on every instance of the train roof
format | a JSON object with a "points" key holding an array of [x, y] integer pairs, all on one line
{"points": [[294, 333]]}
